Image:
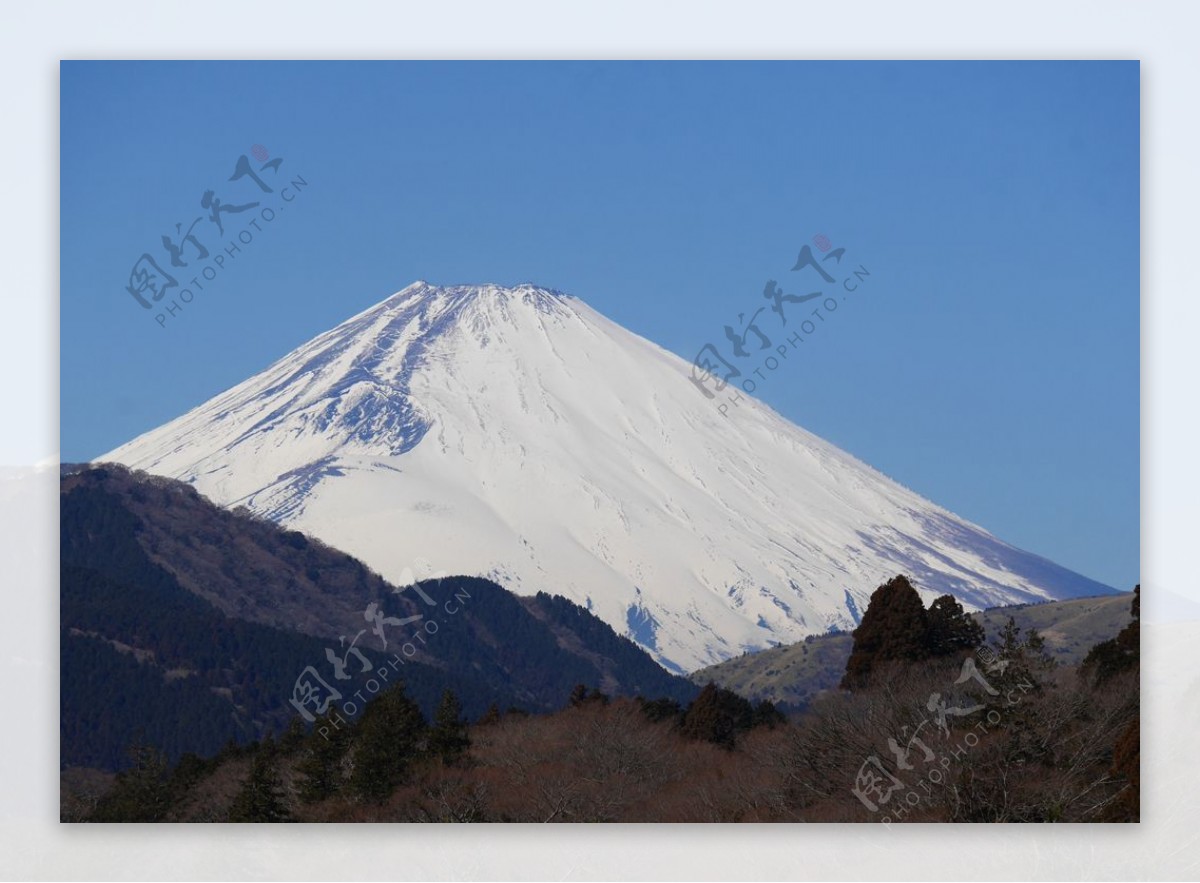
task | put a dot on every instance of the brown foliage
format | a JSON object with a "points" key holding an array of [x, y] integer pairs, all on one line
{"points": [[1042, 746]]}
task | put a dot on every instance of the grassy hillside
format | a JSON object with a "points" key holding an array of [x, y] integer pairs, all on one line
{"points": [[791, 676], [1070, 628]]}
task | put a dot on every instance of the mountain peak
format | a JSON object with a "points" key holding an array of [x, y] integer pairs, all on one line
{"points": [[445, 296], [516, 434]]}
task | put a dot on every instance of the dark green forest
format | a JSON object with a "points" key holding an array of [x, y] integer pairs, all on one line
{"points": [[144, 658]]}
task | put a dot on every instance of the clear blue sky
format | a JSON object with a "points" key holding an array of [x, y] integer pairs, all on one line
{"points": [[991, 365]]}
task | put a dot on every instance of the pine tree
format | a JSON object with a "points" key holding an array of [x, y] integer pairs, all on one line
{"points": [[1122, 653], [1037, 655], [1008, 644], [581, 695], [717, 715], [1023, 662], [766, 714], [261, 796], [951, 630], [140, 793], [386, 742], [293, 737], [448, 739], [662, 709], [323, 752], [894, 627]]}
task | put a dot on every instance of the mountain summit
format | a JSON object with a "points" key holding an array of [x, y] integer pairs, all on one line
{"points": [[517, 434]]}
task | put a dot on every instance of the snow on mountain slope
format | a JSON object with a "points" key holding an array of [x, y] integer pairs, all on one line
{"points": [[518, 434]]}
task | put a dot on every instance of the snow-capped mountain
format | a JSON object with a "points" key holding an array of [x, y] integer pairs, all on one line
{"points": [[518, 434]]}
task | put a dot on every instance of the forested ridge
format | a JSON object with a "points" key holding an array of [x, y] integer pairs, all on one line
{"points": [[934, 725], [146, 653]]}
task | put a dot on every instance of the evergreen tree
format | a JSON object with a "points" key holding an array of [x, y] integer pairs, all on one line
{"points": [[261, 796], [140, 793], [190, 770], [894, 627], [386, 741], [1119, 654], [661, 709], [1022, 663], [1008, 644], [581, 695], [767, 715], [951, 630], [718, 716], [1037, 655], [491, 716], [293, 736], [323, 752], [448, 739]]}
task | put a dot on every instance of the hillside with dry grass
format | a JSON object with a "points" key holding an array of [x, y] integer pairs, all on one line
{"points": [[793, 675]]}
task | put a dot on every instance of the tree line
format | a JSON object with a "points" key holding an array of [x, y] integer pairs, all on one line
{"points": [[955, 728]]}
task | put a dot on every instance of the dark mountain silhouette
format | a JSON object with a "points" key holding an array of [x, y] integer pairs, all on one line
{"points": [[185, 625]]}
